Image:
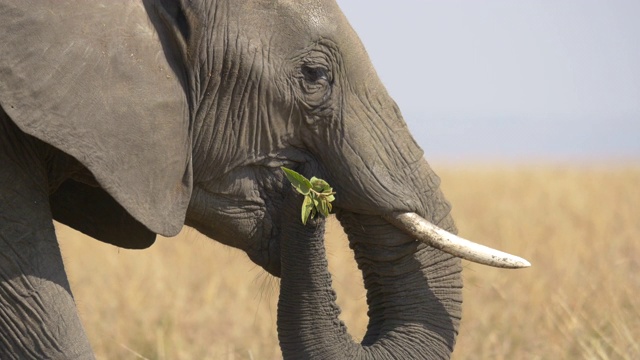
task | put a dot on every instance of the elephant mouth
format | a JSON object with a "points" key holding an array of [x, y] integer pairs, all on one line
{"points": [[409, 223]]}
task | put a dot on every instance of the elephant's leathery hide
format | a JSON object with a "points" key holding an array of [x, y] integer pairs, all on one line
{"points": [[95, 79]]}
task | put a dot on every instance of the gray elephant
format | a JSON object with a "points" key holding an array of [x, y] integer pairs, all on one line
{"points": [[127, 119]]}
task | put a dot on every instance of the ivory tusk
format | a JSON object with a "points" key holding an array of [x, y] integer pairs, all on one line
{"points": [[424, 231]]}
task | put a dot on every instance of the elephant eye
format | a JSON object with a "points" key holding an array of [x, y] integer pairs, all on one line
{"points": [[314, 74], [315, 82]]}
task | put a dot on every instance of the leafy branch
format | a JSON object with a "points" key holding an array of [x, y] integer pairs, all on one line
{"points": [[317, 193]]}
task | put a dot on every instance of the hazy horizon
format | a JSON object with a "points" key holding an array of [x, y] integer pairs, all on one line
{"points": [[510, 81]]}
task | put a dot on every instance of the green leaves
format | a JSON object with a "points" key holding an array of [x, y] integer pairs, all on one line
{"points": [[317, 193], [299, 182]]}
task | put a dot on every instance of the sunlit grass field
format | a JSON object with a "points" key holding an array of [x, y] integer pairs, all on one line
{"points": [[191, 298]]}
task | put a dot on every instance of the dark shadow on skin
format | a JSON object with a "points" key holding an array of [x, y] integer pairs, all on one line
{"points": [[94, 212]]}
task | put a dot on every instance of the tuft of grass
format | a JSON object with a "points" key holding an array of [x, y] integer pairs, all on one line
{"points": [[191, 298]]}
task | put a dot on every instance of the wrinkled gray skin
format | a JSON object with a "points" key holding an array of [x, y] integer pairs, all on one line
{"points": [[131, 119]]}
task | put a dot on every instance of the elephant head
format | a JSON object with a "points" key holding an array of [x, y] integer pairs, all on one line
{"points": [[183, 112]]}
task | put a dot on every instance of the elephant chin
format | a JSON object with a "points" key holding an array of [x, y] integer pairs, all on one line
{"points": [[269, 260]]}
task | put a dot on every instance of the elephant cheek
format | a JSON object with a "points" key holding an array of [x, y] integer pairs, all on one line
{"points": [[241, 227]]}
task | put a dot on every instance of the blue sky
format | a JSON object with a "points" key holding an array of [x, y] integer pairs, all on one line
{"points": [[510, 80]]}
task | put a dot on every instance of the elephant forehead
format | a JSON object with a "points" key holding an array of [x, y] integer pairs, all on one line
{"points": [[289, 26], [293, 23], [319, 15]]}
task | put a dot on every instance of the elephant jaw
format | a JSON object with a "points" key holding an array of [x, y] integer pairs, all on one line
{"points": [[428, 233]]}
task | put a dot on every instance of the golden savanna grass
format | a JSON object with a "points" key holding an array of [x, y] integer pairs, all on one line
{"points": [[191, 298]]}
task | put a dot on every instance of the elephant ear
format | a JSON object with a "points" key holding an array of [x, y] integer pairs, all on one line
{"points": [[102, 81]]}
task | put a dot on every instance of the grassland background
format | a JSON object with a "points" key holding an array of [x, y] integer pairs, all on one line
{"points": [[191, 298]]}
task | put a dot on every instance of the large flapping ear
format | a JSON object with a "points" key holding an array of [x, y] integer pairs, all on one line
{"points": [[101, 82]]}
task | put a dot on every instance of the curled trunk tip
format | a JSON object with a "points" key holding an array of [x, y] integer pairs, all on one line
{"points": [[430, 234]]}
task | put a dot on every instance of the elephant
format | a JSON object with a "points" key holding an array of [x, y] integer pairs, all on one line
{"points": [[131, 119]]}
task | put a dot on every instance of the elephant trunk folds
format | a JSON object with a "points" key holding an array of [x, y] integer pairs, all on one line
{"points": [[413, 293], [413, 290]]}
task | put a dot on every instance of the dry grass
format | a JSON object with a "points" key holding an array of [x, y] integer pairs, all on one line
{"points": [[191, 298]]}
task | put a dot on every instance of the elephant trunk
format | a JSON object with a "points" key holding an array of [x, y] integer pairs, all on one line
{"points": [[308, 324], [414, 291]]}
